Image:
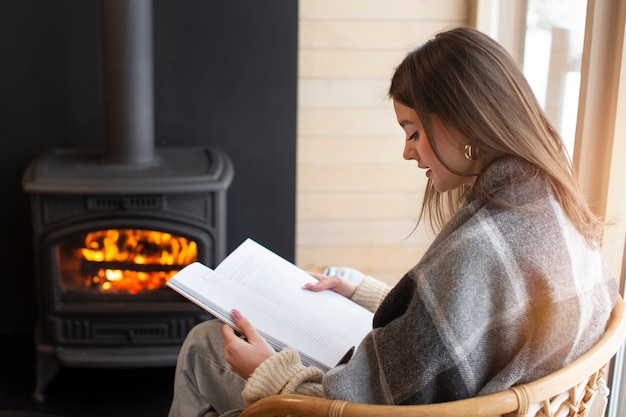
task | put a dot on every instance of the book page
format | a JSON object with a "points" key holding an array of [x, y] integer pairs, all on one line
{"points": [[268, 289]]}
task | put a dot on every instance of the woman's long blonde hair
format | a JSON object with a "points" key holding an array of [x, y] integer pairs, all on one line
{"points": [[470, 82]]}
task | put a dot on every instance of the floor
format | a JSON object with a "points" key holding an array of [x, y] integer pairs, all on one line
{"points": [[80, 392]]}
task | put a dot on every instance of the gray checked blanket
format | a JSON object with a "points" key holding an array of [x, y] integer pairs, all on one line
{"points": [[503, 296]]}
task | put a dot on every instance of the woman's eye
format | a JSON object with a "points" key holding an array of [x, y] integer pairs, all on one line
{"points": [[414, 136]]}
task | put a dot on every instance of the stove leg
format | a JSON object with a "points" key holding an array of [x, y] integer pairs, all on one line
{"points": [[47, 367]]}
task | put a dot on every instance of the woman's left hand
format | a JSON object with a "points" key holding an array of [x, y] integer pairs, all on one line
{"points": [[331, 282], [245, 354]]}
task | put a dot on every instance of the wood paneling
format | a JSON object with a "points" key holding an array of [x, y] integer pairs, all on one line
{"points": [[357, 199]]}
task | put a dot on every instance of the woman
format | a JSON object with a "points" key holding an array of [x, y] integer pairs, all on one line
{"points": [[512, 288]]}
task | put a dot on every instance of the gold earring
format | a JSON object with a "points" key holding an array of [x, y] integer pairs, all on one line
{"points": [[471, 154]]}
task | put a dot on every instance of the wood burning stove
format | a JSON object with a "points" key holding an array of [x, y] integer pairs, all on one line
{"points": [[111, 226], [107, 238]]}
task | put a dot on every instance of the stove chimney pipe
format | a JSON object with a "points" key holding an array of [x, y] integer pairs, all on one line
{"points": [[128, 81]]}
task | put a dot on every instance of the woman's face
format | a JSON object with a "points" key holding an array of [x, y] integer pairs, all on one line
{"points": [[451, 145]]}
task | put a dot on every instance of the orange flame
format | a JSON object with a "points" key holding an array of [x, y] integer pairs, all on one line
{"points": [[131, 247]]}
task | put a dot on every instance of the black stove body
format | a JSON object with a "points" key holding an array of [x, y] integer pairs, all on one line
{"points": [[111, 226]]}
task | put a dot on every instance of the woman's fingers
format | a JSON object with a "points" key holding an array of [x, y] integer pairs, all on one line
{"points": [[331, 282], [245, 352]]}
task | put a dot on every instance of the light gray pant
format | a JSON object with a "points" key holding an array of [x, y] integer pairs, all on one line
{"points": [[203, 379]]}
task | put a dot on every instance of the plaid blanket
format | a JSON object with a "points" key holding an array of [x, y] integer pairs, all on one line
{"points": [[503, 296]]}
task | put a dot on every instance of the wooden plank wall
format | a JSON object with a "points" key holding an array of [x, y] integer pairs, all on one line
{"points": [[357, 199]]}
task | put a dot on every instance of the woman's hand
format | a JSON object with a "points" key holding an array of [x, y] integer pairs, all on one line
{"points": [[244, 355], [331, 282]]}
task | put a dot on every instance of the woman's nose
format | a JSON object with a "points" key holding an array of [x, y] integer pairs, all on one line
{"points": [[409, 151]]}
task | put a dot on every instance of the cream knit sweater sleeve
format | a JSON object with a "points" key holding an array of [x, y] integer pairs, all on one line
{"points": [[370, 293], [284, 373]]}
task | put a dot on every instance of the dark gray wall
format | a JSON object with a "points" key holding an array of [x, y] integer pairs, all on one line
{"points": [[225, 76]]}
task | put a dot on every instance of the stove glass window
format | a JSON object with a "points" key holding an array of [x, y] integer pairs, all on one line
{"points": [[121, 262]]}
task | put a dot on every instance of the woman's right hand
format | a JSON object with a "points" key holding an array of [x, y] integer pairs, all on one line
{"points": [[244, 354], [331, 282]]}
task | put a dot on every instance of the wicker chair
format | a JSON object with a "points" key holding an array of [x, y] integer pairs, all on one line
{"points": [[567, 392]]}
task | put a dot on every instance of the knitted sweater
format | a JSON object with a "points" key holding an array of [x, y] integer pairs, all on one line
{"points": [[502, 296]]}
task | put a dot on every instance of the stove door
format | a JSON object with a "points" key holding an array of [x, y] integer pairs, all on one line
{"points": [[119, 261]]}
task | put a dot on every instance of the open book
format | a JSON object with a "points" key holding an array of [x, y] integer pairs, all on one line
{"points": [[323, 326]]}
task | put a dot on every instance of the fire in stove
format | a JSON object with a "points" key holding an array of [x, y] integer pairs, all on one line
{"points": [[124, 261]]}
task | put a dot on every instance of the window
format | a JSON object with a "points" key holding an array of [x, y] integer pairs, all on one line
{"points": [[547, 38]]}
